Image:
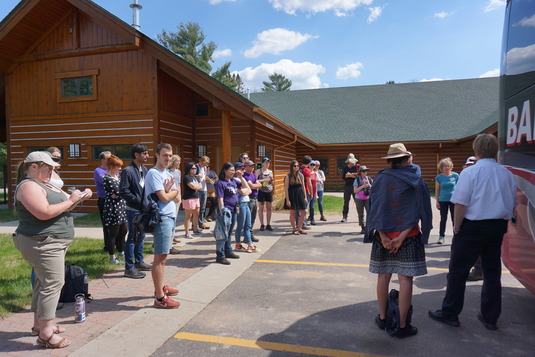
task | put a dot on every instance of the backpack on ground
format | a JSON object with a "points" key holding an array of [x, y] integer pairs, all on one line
{"points": [[76, 282], [392, 313]]}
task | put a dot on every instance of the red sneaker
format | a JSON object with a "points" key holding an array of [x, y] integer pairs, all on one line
{"points": [[169, 291], [166, 303]]}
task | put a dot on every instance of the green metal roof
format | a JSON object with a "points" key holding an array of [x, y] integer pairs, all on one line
{"points": [[422, 111]]}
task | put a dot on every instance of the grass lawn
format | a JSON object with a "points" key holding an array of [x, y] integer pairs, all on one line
{"points": [[87, 220], [7, 215], [15, 285], [331, 205]]}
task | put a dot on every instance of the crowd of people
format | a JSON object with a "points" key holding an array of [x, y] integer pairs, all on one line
{"points": [[393, 211]]}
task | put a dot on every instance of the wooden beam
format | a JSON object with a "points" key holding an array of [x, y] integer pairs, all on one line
{"points": [[75, 53], [226, 140]]}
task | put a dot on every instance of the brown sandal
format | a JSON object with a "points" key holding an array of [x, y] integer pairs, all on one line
{"points": [[35, 331], [47, 344], [296, 232], [302, 232]]}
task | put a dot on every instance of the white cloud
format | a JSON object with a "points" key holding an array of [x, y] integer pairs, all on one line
{"points": [[350, 71], [339, 7], [492, 73], [431, 80], [215, 2], [494, 5], [275, 41], [375, 12], [304, 75], [443, 14], [527, 22], [227, 52], [520, 60]]}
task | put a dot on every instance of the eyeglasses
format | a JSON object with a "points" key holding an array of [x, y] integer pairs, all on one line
{"points": [[245, 158]]}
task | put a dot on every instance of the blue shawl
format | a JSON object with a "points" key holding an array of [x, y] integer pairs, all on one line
{"points": [[399, 200]]}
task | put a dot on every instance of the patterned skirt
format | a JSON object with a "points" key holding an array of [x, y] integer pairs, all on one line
{"points": [[408, 261]]}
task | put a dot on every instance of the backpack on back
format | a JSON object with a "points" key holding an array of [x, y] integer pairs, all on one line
{"points": [[76, 282], [392, 313]]}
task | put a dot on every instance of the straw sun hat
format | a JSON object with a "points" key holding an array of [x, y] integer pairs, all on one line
{"points": [[396, 150]]}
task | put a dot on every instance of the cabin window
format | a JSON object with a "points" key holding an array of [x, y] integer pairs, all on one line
{"points": [[201, 109], [74, 150], [261, 151], [201, 150], [121, 151], [77, 86]]}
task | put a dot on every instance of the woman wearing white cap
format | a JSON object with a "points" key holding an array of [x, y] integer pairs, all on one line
{"points": [[44, 233]]}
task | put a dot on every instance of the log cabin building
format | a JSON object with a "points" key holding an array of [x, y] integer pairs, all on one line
{"points": [[73, 75]]}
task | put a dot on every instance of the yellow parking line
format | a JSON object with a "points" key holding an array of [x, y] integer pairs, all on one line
{"points": [[339, 264], [272, 346]]}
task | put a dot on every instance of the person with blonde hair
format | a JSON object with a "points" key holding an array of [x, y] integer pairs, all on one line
{"points": [[444, 186]]}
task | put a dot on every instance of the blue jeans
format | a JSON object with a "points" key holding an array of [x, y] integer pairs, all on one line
{"points": [[311, 209], [202, 203], [133, 251], [320, 202], [224, 247], [244, 224], [163, 235]]}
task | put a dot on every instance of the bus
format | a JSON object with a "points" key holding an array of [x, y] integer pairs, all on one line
{"points": [[516, 132]]}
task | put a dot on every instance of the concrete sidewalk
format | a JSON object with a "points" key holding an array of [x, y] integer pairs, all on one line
{"points": [[121, 319]]}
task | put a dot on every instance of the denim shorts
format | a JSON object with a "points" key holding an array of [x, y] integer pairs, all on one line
{"points": [[163, 235]]}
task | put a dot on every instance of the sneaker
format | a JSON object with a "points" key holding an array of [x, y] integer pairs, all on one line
{"points": [[169, 291], [115, 261], [120, 256], [343, 220], [440, 240], [197, 231], [188, 235], [208, 219], [323, 218], [133, 273], [380, 322], [174, 250], [269, 228], [166, 303], [143, 266], [262, 227], [312, 223], [254, 239], [223, 261], [474, 275], [406, 331]]}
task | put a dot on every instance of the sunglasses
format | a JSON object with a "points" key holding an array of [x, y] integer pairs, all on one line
{"points": [[295, 165], [56, 159]]}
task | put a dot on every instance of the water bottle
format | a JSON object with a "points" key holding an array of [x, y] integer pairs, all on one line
{"points": [[79, 308]]}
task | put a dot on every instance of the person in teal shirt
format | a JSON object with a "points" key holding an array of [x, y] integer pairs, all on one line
{"points": [[444, 187]]}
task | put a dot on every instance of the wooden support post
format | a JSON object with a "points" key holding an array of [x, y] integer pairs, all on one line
{"points": [[226, 141]]}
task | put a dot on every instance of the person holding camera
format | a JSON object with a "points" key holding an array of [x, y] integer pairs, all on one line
{"points": [[361, 189]]}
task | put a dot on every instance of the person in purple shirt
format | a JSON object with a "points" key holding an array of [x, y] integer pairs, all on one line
{"points": [[226, 190], [101, 193], [254, 185]]}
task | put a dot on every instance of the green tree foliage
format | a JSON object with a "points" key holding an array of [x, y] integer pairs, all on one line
{"points": [[391, 82], [189, 43], [231, 80], [278, 83]]}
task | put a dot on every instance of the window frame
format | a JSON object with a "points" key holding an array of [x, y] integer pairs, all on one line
{"points": [[93, 73]]}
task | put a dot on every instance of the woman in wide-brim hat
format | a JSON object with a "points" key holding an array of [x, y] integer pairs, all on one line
{"points": [[400, 202]]}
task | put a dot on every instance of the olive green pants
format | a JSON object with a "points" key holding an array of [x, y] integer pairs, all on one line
{"points": [[46, 254]]}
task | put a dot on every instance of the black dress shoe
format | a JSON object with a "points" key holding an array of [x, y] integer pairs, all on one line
{"points": [[406, 331], [438, 315], [233, 256], [487, 325], [474, 276]]}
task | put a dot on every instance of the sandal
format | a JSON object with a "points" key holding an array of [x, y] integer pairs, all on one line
{"points": [[302, 232], [35, 331], [176, 240], [296, 232], [240, 248], [47, 344], [252, 248]]}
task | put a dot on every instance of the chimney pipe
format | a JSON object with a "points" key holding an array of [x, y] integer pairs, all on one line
{"points": [[135, 14]]}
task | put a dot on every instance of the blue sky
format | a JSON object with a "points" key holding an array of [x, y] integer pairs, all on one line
{"points": [[335, 43]]}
